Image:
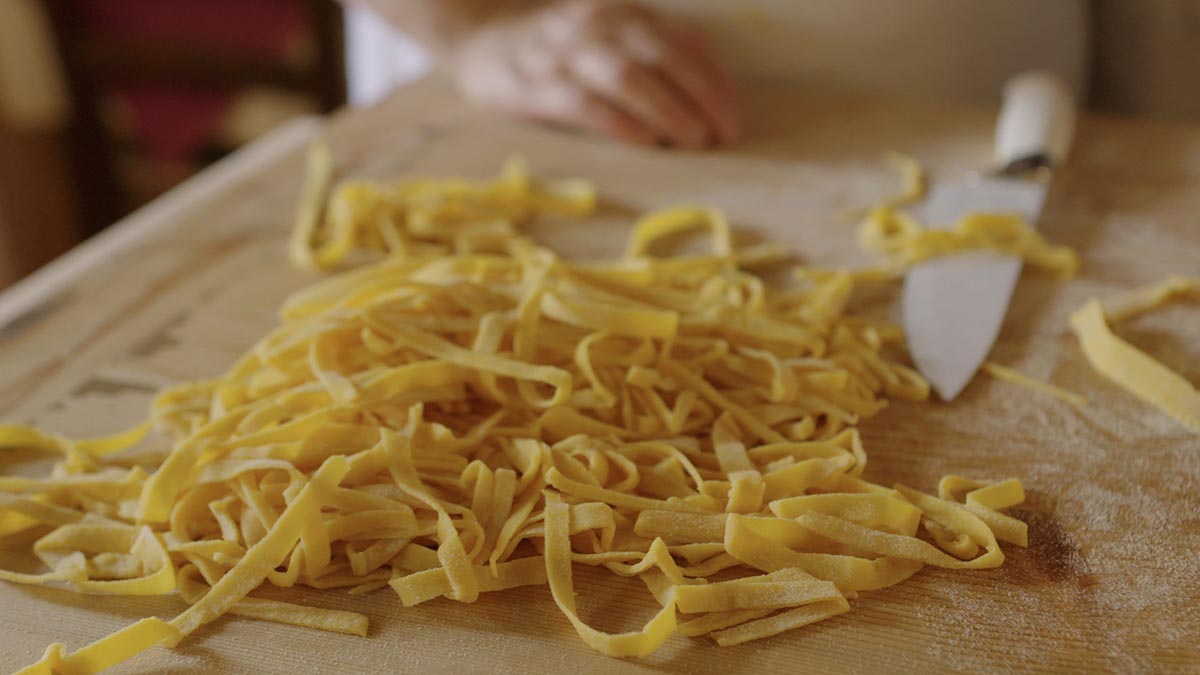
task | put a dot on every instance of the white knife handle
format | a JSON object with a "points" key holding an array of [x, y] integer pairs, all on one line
{"points": [[1037, 121]]}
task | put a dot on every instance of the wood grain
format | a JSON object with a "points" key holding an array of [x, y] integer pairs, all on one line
{"points": [[1108, 582]]}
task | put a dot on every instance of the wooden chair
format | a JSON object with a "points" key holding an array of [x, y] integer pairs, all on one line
{"points": [[95, 64]]}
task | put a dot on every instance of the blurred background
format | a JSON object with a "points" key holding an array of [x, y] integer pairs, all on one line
{"points": [[105, 104]]}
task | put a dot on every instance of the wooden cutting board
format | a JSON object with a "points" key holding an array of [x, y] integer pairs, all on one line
{"points": [[1109, 581]]}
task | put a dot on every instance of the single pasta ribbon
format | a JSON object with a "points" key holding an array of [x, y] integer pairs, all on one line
{"points": [[1129, 367]]}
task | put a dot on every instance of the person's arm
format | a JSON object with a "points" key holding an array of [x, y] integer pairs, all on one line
{"points": [[612, 67]]}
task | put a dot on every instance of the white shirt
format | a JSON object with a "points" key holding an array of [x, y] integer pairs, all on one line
{"points": [[929, 49]]}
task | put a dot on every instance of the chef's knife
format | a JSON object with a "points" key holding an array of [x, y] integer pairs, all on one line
{"points": [[954, 306]]}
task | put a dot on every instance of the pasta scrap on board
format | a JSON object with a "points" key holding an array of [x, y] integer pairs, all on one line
{"points": [[1132, 369]]}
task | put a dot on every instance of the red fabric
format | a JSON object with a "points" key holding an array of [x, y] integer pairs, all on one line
{"points": [[174, 123], [252, 27]]}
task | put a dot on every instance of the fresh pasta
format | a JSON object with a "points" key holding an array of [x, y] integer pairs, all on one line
{"points": [[906, 241], [473, 414], [422, 217], [1132, 369], [890, 231], [1006, 374]]}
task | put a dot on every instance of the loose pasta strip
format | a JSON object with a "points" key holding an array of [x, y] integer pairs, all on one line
{"points": [[986, 500], [433, 216], [105, 652], [335, 621], [783, 621], [912, 179], [905, 241], [1006, 374], [1129, 367], [1127, 305], [305, 251]]}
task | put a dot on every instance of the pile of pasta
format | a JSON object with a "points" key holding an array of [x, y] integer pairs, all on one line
{"points": [[473, 414]]}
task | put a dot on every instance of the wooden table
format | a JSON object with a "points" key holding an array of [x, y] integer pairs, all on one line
{"points": [[1109, 581]]}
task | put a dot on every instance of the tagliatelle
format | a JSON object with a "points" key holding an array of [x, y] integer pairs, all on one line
{"points": [[473, 414], [905, 241], [1131, 303], [912, 176], [1006, 374], [422, 217], [105, 652], [1129, 367]]}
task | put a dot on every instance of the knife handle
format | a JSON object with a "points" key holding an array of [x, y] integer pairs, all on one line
{"points": [[1036, 123]]}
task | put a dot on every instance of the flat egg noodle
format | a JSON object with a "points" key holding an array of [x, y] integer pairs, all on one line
{"points": [[1129, 367]]}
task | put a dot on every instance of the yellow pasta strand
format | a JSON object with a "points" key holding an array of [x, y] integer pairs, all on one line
{"points": [[891, 232], [268, 553], [778, 623], [105, 652], [427, 216], [903, 239], [1006, 374], [1131, 368], [912, 177], [1140, 300]]}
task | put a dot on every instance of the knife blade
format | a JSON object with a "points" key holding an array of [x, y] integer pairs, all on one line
{"points": [[954, 306]]}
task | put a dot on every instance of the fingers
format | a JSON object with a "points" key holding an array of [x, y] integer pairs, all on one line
{"points": [[610, 67], [568, 103], [690, 62], [643, 93]]}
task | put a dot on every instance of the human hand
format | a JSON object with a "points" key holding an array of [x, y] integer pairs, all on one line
{"points": [[614, 68]]}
